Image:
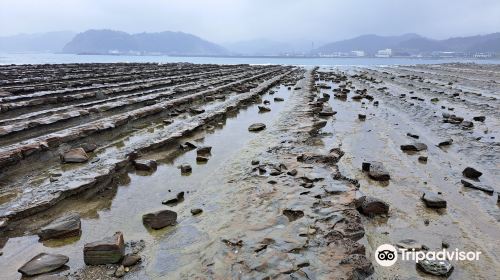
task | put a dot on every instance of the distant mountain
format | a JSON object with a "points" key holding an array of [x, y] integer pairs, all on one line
{"points": [[172, 43], [414, 43], [40, 42]]}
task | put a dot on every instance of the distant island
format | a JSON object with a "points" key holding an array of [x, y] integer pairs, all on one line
{"points": [[111, 42]]}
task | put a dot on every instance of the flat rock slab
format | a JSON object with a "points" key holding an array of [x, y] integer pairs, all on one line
{"points": [[480, 187], [106, 251], [409, 244], [66, 226], [43, 263], [205, 150], [264, 109], [432, 200], [257, 127], [77, 155], [160, 219]]}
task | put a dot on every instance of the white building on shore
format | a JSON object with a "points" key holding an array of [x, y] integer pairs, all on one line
{"points": [[384, 53]]}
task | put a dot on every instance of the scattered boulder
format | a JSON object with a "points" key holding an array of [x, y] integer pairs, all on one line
{"points": [[173, 201], [279, 99], [120, 271], [186, 168], [376, 171], [412, 135], [160, 219], [130, 260], [467, 124], [292, 172], [205, 150], [432, 200], [77, 155], [257, 127], [66, 226], [471, 173], [255, 162], [415, 147], [372, 206], [145, 165], [43, 263], [106, 251], [327, 111], [196, 211], [480, 187], [479, 118], [263, 109], [167, 121], [436, 267], [446, 142], [201, 159], [422, 158], [361, 117]]}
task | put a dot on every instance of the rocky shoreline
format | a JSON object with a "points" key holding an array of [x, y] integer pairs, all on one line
{"points": [[183, 171]]}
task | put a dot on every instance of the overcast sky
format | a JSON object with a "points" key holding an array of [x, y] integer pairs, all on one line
{"points": [[234, 20]]}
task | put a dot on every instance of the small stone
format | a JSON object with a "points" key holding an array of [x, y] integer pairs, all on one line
{"points": [[263, 109], [415, 147], [433, 200], [422, 158], [471, 173], [106, 251], [373, 206], [205, 150], [173, 201], [160, 219], [445, 244], [120, 271], [257, 127], [365, 166], [196, 211], [168, 121], [292, 172], [327, 111], [255, 162], [76, 155], [436, 267], [66, 226], [467, 124], [43, 263], [279, 99], [361, 117], [145, 165], [412, 135], [446, 142], [130, 260], [479, 118], [186, 168], [377, 172]]}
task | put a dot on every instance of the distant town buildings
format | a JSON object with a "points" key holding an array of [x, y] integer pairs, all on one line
{"points": [[384, 53]]}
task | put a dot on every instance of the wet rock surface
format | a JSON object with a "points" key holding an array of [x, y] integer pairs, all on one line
{"points": [[66, 226], [284, 201], [160, 219], [106, 251], [43, 263]]}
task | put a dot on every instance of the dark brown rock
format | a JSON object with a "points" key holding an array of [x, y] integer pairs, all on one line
{"points": [[160, 219], [471, 173], [76, 155], [415, 147], [145, 165], [43, 263], [257, 127], [66, 226], [130, 260], [106, 251], [373, 206]]}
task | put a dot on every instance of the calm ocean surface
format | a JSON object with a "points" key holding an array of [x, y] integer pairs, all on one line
{"points": [[70, 58]]}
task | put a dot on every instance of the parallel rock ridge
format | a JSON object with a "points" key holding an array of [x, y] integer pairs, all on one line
{"points": [[51, 119]]}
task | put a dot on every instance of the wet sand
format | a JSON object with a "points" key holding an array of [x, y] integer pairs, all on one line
{"points": [[258, 220]]}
